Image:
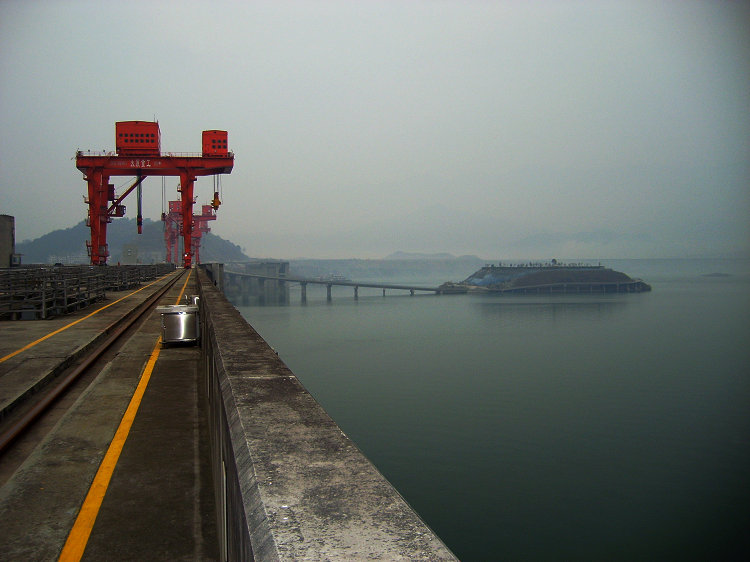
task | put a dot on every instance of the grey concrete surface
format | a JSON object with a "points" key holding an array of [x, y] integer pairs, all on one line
{"points": [[287, 483], [158, 505], [25, 373]]}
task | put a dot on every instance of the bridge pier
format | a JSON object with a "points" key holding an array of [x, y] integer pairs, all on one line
{"points": [[411, 292], [328, 292], [245, 290], [261, 290], [303, 286], [356, 292], [282, 292], [383, 292]]}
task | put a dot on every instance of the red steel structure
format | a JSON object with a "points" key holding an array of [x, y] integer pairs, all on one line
{"points": [[138, 153], [173, 225], [200, 227]]}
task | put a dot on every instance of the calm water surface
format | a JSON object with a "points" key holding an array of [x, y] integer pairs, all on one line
{"points": [[565, 427]]}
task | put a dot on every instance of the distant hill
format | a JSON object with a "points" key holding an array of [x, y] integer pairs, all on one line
{"points": [[407, 267], [417, 256], [69, 245]]}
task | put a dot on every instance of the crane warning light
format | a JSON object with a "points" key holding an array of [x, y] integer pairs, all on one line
{"points": [[215, 143], [141, 138]]}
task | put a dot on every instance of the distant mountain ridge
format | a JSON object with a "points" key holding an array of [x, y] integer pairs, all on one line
{"points": [[400, 266], [69, 245], [417, 256]]}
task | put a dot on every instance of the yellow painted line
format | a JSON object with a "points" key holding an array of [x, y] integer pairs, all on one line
{"points": [[81, 531], [32, 344], [184, 286], [79, 534]]}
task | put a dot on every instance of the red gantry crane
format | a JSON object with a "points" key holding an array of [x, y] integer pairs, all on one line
{"points": [[200, 227], [138, 152], [173, 226]]}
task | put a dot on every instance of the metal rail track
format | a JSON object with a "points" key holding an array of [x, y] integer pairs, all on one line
{"points": [[45, 401]]}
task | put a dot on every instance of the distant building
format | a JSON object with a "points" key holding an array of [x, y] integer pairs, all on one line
{"points": [[81, 258], [261, 289], [272, 268], [8, 255], [129, 254]]}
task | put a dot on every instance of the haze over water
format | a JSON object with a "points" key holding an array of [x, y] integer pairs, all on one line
{"points": [[546, 427], [513, 129]]}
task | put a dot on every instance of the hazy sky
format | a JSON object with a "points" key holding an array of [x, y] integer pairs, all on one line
{"points": [[504, 129]]}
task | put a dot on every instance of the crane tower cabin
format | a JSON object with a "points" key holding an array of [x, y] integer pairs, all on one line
{"points": [[141, 138], [138, 153]]}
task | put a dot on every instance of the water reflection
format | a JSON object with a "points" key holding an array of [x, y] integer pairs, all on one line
{"points": [[579, 427], [553, 309]]}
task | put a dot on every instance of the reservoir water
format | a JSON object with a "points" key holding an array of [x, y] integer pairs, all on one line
{"points": [[546, 427]]}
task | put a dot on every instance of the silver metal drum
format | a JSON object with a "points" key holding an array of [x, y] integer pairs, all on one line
{"points": [[179, 323]]}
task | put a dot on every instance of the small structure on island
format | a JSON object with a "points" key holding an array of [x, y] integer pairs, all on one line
{"points": [[552, 277]]}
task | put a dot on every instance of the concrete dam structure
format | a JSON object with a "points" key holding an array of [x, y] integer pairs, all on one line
{"points": [[180, 451], [260, 282]]}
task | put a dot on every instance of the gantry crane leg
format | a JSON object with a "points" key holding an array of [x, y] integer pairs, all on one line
{"points": [[98, 185], [186, 188]]}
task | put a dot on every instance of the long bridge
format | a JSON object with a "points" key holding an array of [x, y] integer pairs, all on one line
{"points": [[237, 277]]}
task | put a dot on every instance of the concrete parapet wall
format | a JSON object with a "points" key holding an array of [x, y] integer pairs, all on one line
{"points": [[215, 273], [289, 484]]}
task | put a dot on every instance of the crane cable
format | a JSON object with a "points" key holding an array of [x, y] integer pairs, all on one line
{"points": [[163, 204]]}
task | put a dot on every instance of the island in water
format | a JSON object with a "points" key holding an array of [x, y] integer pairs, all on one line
{"points": [[551, 277]]}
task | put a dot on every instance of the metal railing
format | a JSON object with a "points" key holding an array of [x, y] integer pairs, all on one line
{"points": [[39, 292], [114, 154]]}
